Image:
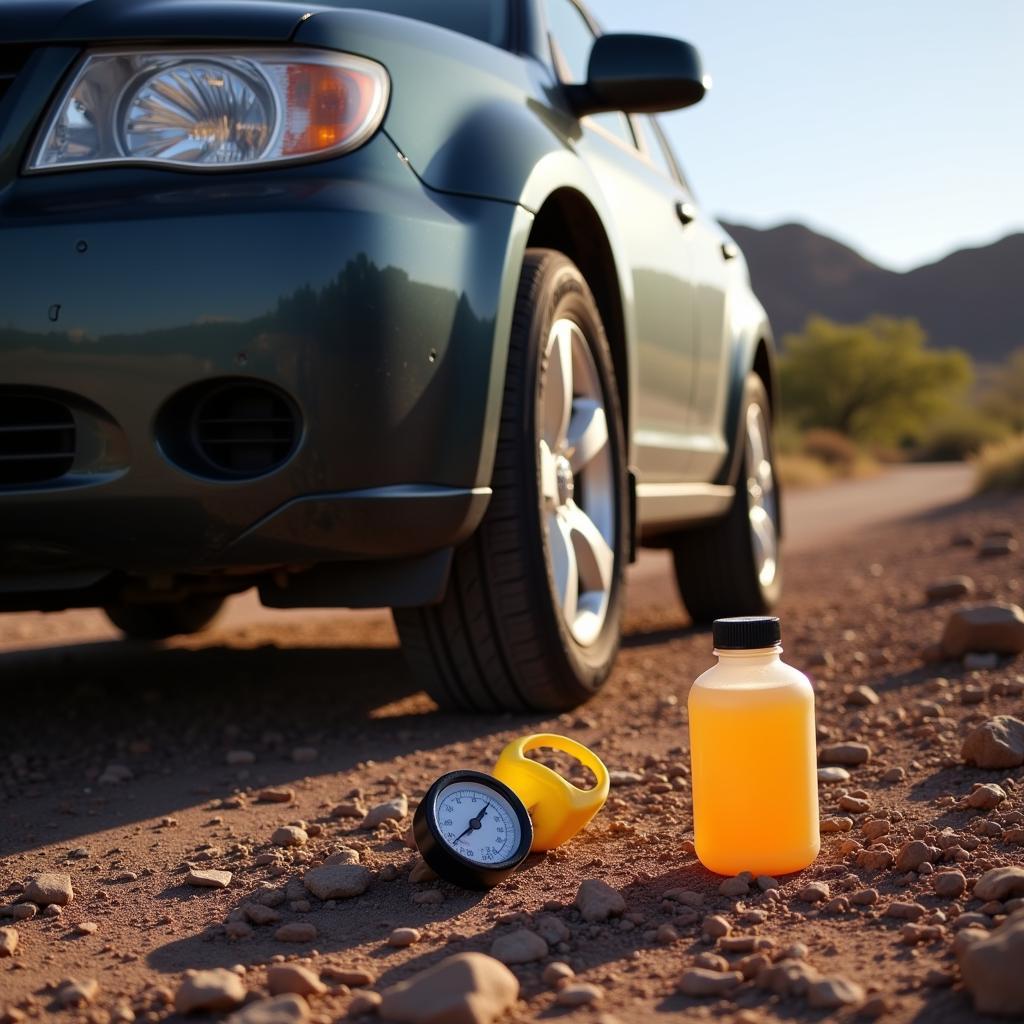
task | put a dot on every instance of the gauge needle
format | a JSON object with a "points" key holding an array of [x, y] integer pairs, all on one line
{"points": [[475, 823]]}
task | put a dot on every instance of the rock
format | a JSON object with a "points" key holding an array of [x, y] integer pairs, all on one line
{"points": [[115, 774], [86, 928], [519, 947], [355, 977], [835, 774], [903, 910], [715, 927], [557, 974], [862, 697], [296, 931], [289, 835], [617, 777], [257, 913], [1000, 884], [469, 988], [344, 855], [295, 979], [894, 775], [874, 829], [276, 796], [865, 897], [831, 992], [77, 993], [210, 879], [422, 872], [840, 824], [949, 884], [996, 547], [8, 942], [50, 887], [997, 743], [349, 809], [949, 589], [581, 993], [788, 977], [699, 981], [854, 804], [737, 886], [991, 969], [216, 989], [986, 797], [986, 628], [337, 881], [912, 855], [814, 893], [552, 929], [391, 810], [402, 937], [285, 1009], [364, 1002], [845, 753], [597, 900]]}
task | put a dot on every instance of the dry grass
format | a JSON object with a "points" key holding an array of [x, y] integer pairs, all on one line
{"points": [[798, 469], [1000, 467]]}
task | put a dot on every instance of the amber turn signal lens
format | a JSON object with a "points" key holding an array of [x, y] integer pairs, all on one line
{"points": [[327, 105]]}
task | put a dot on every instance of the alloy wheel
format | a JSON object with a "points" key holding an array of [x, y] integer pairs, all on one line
{"points": [[577, 479], [762, 497]]}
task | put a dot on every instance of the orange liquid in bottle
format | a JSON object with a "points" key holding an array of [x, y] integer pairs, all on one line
{"points": [[753, 751]]}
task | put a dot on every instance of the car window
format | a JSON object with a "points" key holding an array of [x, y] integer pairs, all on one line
{"points": [[669, 155], [652, 146], [487, 20], [572, 39]]}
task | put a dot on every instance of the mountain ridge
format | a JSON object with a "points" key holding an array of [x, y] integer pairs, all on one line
{"points": [[962, 300]]}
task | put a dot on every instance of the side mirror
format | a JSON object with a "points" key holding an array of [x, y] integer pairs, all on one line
{"points": [[640, 74]]}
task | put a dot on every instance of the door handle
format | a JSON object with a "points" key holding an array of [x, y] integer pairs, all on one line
{"points": [[686, 212], [730, 250]]}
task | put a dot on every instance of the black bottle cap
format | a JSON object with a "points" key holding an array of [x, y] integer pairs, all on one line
{"points": [[747, 634]]}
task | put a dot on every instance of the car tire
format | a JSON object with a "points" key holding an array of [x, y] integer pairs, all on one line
{"points": [[732, 566], [532, 615], [160, 621]]}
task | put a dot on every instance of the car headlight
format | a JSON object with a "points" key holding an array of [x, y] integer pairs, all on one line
{"points": [[212, 109]]}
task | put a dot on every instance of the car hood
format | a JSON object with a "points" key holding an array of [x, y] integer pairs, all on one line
{"points": [[78, 21]]}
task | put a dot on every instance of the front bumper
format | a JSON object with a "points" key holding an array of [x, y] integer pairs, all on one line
{"points": [[372, 302]]}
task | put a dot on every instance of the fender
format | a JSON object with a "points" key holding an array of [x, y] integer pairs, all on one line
{"points": [[474, 120]]}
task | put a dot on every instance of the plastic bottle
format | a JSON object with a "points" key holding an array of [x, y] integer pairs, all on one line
{"points": [[752, 747]]}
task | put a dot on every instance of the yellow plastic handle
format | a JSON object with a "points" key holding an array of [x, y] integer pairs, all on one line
{"points": [[558, 808]]}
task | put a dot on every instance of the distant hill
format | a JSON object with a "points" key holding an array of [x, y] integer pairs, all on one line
{"points": [[969, 299]]}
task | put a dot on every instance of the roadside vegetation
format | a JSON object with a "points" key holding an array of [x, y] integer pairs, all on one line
{"points": [[858, 396]]}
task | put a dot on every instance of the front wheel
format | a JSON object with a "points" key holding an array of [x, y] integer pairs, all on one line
{"points": [[161, 621], [732, 566], [532, 616]]}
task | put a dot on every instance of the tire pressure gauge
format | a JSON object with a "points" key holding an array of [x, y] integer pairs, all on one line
{"points": [[472, 830]]}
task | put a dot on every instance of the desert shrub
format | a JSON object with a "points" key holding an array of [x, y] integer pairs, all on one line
{"points": [[831, 447], [959, 436], [1000, 467], [800, 471]]}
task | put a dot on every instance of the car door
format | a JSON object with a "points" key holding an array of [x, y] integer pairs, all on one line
{"points": [[709, 252], [647, 201]]}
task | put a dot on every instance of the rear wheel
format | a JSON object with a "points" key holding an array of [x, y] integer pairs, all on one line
{"points": [[532, 615], [160, 621], [732, 566]]}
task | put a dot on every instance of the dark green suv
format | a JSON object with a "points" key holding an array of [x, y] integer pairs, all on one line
{"points": [[396, 303]]}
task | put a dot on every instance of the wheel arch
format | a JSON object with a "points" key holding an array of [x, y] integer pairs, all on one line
{"points": [[568, 222]]}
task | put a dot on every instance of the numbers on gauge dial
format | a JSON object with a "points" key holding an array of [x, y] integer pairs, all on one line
{"points": [[477, 822]]}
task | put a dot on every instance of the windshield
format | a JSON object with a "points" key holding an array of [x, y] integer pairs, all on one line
{"points": [[482, 19]]}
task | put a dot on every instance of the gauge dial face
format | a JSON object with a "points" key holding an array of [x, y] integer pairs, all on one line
{"points": [[477, 822]]}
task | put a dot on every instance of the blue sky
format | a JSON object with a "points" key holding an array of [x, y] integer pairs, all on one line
{"points": [[895, 126]]}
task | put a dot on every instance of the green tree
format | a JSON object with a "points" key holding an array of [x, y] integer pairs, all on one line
{"points": [[874, 381], [1004, 399]]}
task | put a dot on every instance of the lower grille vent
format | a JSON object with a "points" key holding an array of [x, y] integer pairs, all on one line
{"points": [[245, 430], [37, 439]]}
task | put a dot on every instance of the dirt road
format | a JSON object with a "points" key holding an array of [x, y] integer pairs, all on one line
{"points": [[125, 767]]}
